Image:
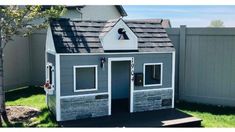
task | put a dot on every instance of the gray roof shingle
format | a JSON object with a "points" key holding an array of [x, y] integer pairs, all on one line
{"points": [[83, 36]]}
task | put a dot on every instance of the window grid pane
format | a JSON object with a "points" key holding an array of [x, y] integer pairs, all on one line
{"points": [[50, 74], [152, 74], [85, 78]]}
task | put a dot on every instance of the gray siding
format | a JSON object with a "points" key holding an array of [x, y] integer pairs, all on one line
{"points": [[51, 99], [206, 64], [175, 39], [68, 61]]}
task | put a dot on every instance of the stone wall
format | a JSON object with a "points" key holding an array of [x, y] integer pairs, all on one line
{"points": [[84, 107], [152, 100]]}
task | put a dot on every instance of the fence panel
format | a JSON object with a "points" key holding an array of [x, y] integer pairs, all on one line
{"points": [[206, 58]]}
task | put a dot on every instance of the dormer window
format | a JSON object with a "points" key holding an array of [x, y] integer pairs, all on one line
{"points": [[122, 33], [118, 37]]}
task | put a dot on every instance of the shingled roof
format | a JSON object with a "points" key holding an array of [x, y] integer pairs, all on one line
{"points": [[83, 36]]}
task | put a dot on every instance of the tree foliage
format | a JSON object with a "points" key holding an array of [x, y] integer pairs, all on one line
{"points": [[20, 20], [216, 23]]}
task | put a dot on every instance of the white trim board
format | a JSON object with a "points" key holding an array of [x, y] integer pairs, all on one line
{"points": [[58, 107], [155, 89], [131, 59], [150, 85], [74, 78], [173, 79], [51, 52], [82, 95]]}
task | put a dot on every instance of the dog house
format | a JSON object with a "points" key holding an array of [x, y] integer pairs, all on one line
{"points": [[93, 66]]}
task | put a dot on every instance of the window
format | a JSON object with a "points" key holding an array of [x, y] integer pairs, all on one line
{"points": [[123, 35], [50, 74], [85, 78], [152, 74]]}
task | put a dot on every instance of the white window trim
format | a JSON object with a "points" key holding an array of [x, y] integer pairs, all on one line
{"points": [[150, 85], [74, 78], [52, 74]]}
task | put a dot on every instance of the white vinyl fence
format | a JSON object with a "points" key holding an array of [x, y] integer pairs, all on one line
{"points": [[205, 63]]}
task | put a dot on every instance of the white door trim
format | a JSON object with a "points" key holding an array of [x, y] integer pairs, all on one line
{"points": [[131, 59]]}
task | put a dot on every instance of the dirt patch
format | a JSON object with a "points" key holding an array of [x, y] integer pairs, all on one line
{"points": [[21, 113]]}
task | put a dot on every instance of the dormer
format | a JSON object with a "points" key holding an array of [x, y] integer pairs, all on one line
{"points": [[119, 37]]}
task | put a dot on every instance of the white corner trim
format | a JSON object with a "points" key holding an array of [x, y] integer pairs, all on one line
{"points": [[150, 85], [109, 84], [155, 89], [131, 59], [74, 78], [173, 79], [82, 95], [132, 84], [58, 107]]}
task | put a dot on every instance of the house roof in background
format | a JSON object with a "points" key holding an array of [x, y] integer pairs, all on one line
{"points": [[166, 23], [121, 10], [81, 36], [118, 7]]}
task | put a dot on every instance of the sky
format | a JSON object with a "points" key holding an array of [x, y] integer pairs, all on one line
{"points": [[191, 16]]}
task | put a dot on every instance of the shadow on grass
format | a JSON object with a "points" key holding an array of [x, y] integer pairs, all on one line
{"points": [[215, 110], [44, 119], [24, 93]]}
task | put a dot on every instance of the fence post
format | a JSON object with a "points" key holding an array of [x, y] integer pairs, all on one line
{"points": [[182, 53]]}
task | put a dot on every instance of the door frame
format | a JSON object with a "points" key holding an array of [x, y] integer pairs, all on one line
{"points": [[110, 60]]}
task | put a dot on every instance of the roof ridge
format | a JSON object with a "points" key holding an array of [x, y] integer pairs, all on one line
{"points": [[155, 20], [152, 20]]}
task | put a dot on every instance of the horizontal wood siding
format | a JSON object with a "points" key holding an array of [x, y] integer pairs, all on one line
{"points": [[207, 71], [175, 39], [67, 63]]}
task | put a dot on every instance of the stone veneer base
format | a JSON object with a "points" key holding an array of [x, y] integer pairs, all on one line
{"points": [[152, 100], [84, 107]]}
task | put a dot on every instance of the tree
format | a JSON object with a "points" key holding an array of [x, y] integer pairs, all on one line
{"points": [[216, 23], [20, 20]]}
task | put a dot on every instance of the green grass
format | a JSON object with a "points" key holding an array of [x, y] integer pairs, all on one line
{"points": [[212, 116], [33, 97]]}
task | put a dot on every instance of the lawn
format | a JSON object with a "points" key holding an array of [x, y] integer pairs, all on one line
{"points": [[212, 116], [33, 97]]}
